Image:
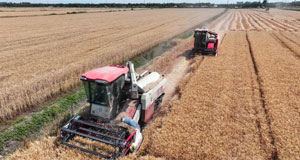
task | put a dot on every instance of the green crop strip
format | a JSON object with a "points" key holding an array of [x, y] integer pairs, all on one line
{"points": [[24, 127]]}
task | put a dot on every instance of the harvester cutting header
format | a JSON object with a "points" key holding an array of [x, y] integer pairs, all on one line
{"points": [[121, 103]]}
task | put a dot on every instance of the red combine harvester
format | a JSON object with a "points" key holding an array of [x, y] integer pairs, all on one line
{"points": [[206, 42], [121, 103]]}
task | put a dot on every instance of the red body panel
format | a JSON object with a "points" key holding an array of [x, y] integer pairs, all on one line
{"points": [[131, 111], [127, 147], [108, 73], [149, 112], [210, 45]]}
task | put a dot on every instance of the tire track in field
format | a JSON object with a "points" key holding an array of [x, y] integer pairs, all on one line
{"points": [[274, 155], [261, 121], [295, 53]]}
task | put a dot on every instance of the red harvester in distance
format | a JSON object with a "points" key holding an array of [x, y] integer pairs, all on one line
{"points": [[205, 42]]}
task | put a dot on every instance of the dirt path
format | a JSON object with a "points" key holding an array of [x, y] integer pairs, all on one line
{"points": [[179, 70], [173, 65]]}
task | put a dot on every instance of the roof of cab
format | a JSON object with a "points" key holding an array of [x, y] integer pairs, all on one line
{"points": [[107, 73]]}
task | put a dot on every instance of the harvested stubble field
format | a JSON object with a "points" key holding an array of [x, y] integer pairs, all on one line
{"points": [[258, 20], [243, 104], [279, 72], [219, 114], [44, 56]]}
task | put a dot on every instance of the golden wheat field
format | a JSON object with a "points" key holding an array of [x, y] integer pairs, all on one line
{"points": [[44, 56], [51, 11], [242, 104]]}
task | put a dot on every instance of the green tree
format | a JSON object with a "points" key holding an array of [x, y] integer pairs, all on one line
{"points": [[265, 3]]}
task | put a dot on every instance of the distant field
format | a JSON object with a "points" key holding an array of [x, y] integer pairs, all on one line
{"points": [[46, 11], [259, 20], [44, 55]]}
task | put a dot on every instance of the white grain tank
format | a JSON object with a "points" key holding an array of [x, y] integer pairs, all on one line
{"points": [[153, 86]]}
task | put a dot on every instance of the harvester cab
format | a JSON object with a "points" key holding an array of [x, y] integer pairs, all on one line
{"points": [[205, 42], [121, 103], [104, 94]]}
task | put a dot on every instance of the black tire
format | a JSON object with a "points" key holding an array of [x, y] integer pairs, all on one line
{"points": [[193, 53]]}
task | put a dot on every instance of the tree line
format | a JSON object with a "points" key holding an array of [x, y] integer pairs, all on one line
{"points": [[255, 4], [109, 5]]}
